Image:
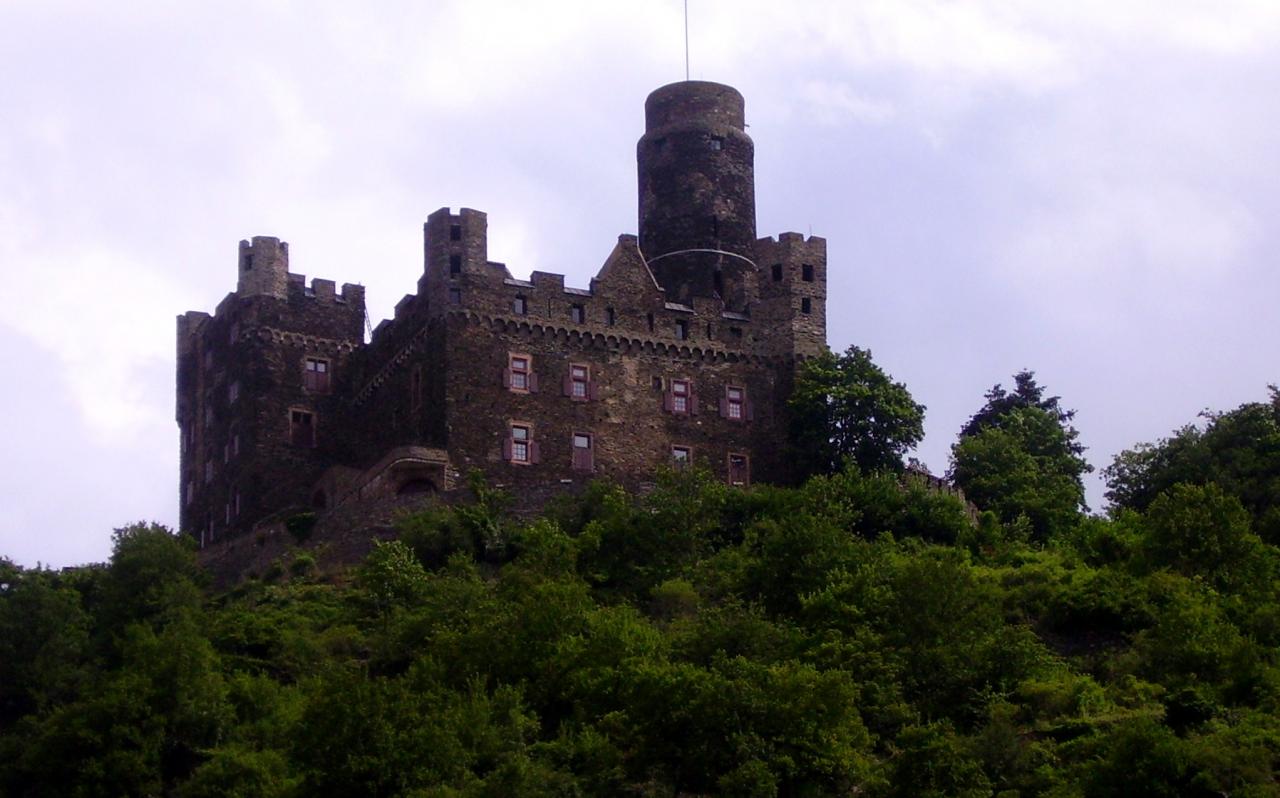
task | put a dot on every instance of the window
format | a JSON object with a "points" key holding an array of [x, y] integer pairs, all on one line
{"points": [[680, 398], [681, 456], [519, 376], [650, 322], [734, 404], [777, 272], [806, 305], [739, 469], [415, 389], [455, 296], [302, 428], [520, 306], [610, 317], [519, 447], [455, 232], [455, 265], [233, 391], [582, 453], [736, 332], [717, 143], [315, 375], [577, 313], [248, 261], [682, 330], [806, 272], [578, 385]]}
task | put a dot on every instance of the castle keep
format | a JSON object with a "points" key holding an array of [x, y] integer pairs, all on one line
{"points": [[682, 349]]}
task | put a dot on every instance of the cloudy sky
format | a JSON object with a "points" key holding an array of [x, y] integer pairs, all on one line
{"points": [[1088, 189]]}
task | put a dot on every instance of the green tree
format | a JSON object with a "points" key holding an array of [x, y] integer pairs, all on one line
{"points": [[1200, 530], [1019, 457], [845, 408], [1022, 468], [1238, 450]]}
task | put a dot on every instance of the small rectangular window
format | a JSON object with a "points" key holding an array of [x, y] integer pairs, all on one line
{"points": [[650, 322], [577, 313], [610, 317], [734, 404], [777, 272], [520, 368], [682, 330], [806, 305], [455, 232], [302, 428], [680, 396], [579, 386], [520, 306], [739, 469], [520, 444], [736, 332], [455, 265], [582, 453], [681, 456], [315, 375], [717, 143], [455, 296], [806, 272]]}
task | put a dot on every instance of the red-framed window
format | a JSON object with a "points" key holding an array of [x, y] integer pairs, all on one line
{"points": [[518, 375], [520, 447], [577, 383], [735, 405], [680, 398], [315, 374], [739, 469], [583, 452]]}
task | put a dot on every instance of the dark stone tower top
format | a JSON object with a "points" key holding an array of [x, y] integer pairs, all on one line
{"points": [[697, 192]]}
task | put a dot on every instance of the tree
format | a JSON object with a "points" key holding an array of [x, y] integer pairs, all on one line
{"points": [[1238, 450], [1018, 457], [845, 408]]}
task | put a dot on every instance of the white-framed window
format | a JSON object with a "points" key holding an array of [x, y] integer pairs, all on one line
{"points": [[735, 406], [577, 384]]}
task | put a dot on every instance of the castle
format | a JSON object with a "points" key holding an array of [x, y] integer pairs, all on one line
{"points": [[683, 349]]}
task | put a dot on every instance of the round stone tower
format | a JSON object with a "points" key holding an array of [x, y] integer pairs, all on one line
{"points": [[697, 192]]}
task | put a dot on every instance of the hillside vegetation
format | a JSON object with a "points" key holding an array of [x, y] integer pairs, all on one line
{"points": [[860, 634]]}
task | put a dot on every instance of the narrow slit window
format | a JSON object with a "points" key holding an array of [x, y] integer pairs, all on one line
{"points": [[455, 265], [806, 272], [610, 317], [806, 305]]}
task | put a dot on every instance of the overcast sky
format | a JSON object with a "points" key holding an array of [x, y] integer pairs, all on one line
{"points": [[1088, 189]]}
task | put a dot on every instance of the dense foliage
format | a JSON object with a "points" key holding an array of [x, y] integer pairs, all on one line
{"points": [[846, 410], [858, 635], [1018, 457]]}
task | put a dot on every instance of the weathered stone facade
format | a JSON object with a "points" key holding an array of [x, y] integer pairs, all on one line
{"points": [[683, 347]]}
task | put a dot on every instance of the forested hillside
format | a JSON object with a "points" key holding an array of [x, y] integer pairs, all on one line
{"points": [[861, 634]]}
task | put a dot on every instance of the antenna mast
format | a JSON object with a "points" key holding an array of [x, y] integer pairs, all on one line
{"points": [[686, 40]]}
